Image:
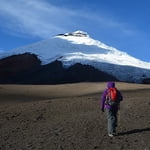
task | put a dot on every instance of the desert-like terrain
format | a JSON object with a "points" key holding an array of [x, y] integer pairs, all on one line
{"points": [[68, 117]]}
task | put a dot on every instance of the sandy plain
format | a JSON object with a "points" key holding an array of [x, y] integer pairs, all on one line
{"points": [[68, 117]]}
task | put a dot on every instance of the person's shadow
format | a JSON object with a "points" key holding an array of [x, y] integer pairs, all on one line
{"points": [[134, 131]]}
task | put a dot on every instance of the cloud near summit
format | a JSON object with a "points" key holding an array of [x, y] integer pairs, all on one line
{"points": [[42, 19]]}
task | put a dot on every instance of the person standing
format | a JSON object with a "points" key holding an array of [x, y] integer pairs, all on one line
{"points": [[110, 102]]}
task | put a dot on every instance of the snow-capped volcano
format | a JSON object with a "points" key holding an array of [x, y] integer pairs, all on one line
{"points": [[79, 47]]}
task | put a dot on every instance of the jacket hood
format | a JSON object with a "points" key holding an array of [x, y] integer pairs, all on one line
{"points": [[111, 84]]}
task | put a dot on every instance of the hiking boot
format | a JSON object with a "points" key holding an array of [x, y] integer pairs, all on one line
{"points": [[115, 134], [110, 135]]}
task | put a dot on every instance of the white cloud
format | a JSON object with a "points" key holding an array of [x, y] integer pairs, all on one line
{"points": [[34, 17], [40, 18]]}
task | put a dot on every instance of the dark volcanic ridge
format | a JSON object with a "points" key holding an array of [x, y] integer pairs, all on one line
{"points": [[27, 69]]}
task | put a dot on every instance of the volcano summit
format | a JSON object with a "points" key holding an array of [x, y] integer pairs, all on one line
{"points": [[70, 57]]}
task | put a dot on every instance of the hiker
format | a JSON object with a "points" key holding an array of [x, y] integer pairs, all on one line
{"points": [[110, 101]]}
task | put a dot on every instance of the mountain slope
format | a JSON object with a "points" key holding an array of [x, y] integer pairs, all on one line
{"points": [[26, 69], [78, 47]]}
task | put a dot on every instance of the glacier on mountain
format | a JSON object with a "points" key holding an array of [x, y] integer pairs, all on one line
{"points": [[79, 47]]}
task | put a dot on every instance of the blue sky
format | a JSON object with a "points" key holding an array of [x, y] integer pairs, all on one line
{"points": [[123, 24]]}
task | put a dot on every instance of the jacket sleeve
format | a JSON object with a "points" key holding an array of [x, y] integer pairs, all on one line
{"points": [[103, 98]]}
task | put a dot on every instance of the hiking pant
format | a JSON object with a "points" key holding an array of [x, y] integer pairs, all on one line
{"points": [[111, 120]]}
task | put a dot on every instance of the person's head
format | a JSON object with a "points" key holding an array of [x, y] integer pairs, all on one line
{"points": [[111, 84]]}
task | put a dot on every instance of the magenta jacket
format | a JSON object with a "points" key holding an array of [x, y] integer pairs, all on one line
{"points": [[103, 97]]}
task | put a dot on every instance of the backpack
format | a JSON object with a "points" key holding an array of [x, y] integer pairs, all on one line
{"points": [[112, 97]]}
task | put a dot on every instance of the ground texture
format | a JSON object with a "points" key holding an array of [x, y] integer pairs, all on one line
{"points": [[68, 117]]}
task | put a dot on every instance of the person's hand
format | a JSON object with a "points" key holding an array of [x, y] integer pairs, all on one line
{"points": [[102, 109]]}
